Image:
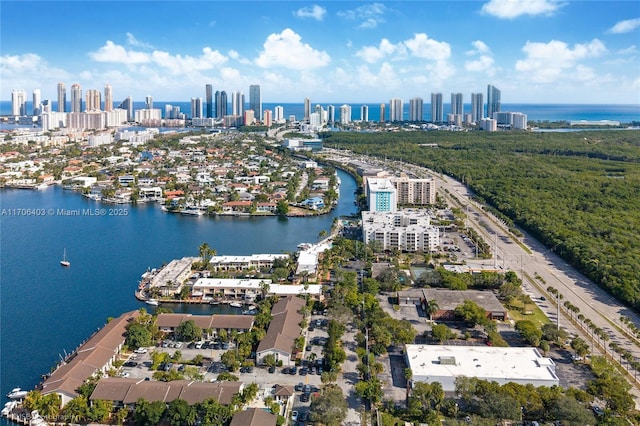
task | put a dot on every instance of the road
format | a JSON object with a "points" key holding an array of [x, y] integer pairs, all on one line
{"points": [[536, 260]]}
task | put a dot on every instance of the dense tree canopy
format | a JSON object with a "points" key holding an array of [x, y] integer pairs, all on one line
{"points": [[577, 192]]}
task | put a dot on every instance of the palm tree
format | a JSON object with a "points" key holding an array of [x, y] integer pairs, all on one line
{"points": [[430, 308]]}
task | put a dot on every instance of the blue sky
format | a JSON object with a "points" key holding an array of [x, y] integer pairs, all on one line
{"points": [[534, 51]]}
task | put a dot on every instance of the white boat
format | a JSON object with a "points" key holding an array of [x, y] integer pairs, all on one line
{"points": [[64, 261], [8, 407], [235, 304], [192, 212], [17, 393], [152, 302]]}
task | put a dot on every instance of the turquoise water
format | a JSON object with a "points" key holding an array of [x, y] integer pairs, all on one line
{"points": [[535, 112], [46, 309]]}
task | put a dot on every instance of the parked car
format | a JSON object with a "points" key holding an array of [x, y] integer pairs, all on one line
{"points": [[272, 369], [298, 387], [294, 416], [293, 370]]}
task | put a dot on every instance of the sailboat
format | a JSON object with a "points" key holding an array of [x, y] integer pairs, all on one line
{"points": [[64, 261]]}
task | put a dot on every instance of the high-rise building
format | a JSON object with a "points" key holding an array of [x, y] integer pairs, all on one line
{"points": [[62, 98], [345, 114], [108, 98], [457, 107], [477, 107], [307, 108], [221, 104], [93, 102], [208, 89], [148, 102], [76, 98], [278, 115], [255, 100], [37, 102], [267, 118], [331, 114], [18, 102], [237, 103], [382, 112], [493, 100], [437, 108], [364, 113], [395, 109], [196, 107], [127, 104], [416, 109]]}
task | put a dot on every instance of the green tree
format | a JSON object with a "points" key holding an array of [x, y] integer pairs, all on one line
{"points": [[471, 312], [100, 411], [430, 308], [76, 410], [329, 408], [138, 335], [282, 208], [188, 331], [178, 412], [441, 332], [148, 413], [529, 332]]}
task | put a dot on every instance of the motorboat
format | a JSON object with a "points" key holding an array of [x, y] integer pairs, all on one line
{"points": [[17, 393], [152, 302], [235, 304]]}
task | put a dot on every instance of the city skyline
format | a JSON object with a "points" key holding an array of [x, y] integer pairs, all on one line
{"points": [[542, 51]]}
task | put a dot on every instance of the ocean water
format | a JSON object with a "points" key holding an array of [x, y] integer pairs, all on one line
{"points": [[535, 112], [47, 310]]}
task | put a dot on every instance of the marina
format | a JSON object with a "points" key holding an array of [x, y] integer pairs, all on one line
{"points": [[73, 293]]}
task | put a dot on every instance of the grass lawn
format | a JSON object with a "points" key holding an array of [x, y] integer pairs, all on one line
{"points": [[536, 315]]}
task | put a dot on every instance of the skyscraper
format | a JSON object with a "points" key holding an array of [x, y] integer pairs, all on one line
{"points": [[307, 108], [345, 114], [278, 114], [255, 100], [221, 104], [208, 89], [457, 107], [18, 102], [62, 98], [382, 112], [37, 100], [128, 105], [76, 98], [93, 102], [148, 102], [416, 109], [395, 109], [196, 107], [364, 113], [267, 119], [108, 98], [477, 107], [493, 100], [437, 108], [331, 114], [237, 103]]}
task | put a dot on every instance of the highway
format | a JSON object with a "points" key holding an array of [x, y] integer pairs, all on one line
{"points": [[535, 261]]}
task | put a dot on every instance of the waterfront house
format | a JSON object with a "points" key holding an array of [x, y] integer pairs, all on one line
{"points": [[211, 325], [94, 357], [125, 392]]}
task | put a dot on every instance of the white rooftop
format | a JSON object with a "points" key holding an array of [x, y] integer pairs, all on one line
{"points": [[511, 364]]}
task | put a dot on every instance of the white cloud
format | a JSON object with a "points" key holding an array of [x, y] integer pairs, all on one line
{"points": [[287, 50], [509, 9], [112, 52], [233, 54], [420, 46], [369, 15], [131, 40], [373, 54], [175, 64], [479, 46], [625, 26], [546, 62], [628, 51], [314, 12], [483, 63]]}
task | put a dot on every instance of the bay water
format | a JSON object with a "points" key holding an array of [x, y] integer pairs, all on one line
{"points": [[47, 310]]}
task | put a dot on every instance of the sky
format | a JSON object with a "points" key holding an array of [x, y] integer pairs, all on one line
{"points": [[534, 51]]}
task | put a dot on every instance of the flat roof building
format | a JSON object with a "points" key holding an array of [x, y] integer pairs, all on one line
{"points": [[381, 195], [408, 230], [443, 364]]}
